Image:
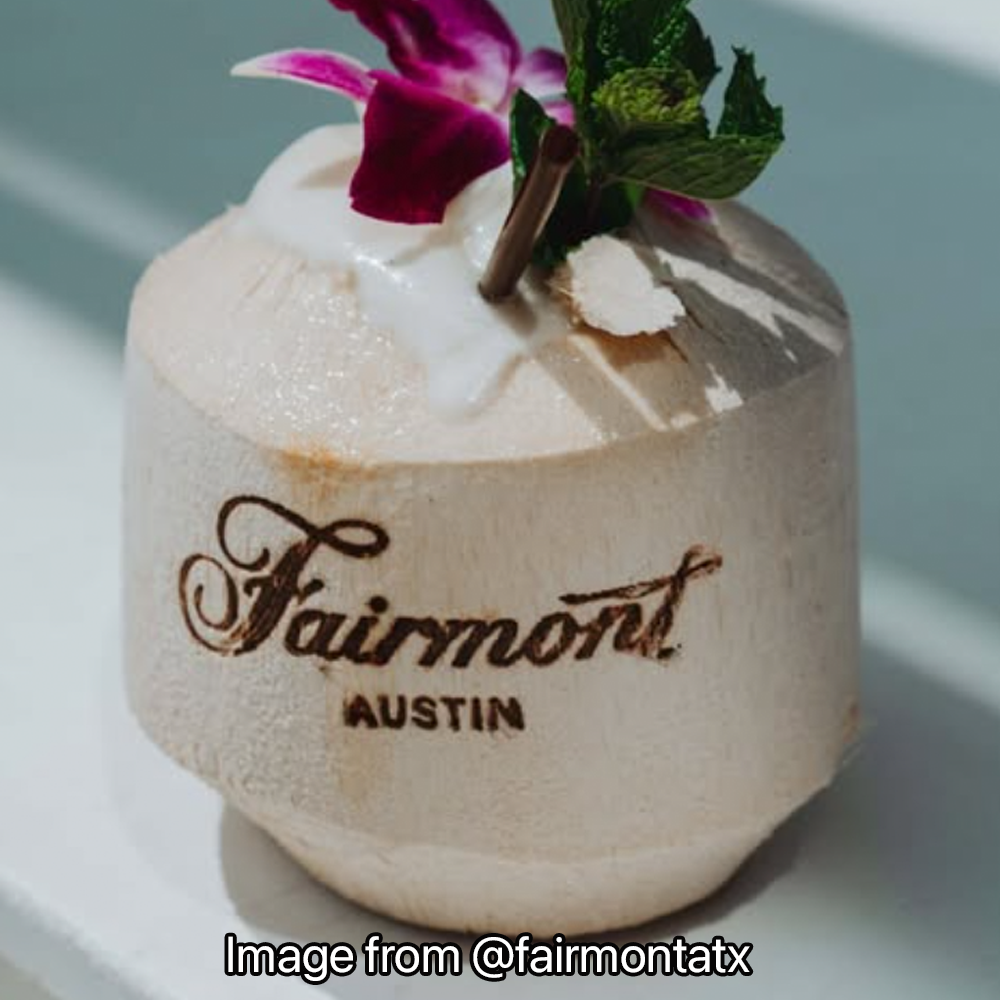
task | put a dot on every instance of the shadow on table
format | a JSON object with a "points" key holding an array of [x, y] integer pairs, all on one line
{"points": [[907, 839]]}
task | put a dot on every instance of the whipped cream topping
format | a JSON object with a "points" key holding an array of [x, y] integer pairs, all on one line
{"points": [[417, 282]]}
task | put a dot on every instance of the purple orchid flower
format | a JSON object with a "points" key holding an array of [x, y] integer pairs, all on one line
{"points": [[443, 120]]}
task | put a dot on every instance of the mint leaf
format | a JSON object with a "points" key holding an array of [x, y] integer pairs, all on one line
{"points": [[529, 123], [711, 169], [683, 42], [578, 22], [655, 103], [641, 33], [639, 71], [747, 110], [627, 31], [654, 131], [583, 209]]}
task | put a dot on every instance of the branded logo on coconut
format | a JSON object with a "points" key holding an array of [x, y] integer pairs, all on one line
{"points": [[263, 587]]}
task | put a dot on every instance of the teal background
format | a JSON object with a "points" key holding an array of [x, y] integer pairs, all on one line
{"points": [[890, 177]]}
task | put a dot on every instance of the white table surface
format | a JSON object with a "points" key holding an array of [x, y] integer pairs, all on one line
{"points": [[119, 874]]}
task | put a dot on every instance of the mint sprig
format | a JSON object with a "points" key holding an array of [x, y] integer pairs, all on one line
{"points": [[584, 209], [638, 75]]}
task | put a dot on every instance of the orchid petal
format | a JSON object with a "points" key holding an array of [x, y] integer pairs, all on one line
{"points": [[328, 70], [422, 149], [463, 48], [542, 73], [679, 205], [562, 111]]}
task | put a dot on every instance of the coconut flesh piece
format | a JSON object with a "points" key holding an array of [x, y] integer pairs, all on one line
{"points": [[611, 289], [279, 367]]}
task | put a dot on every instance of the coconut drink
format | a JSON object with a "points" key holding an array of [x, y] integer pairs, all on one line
{"points": [[491, 531]]}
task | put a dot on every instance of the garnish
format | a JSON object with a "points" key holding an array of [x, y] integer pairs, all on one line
{"points": [[639, 72], [443, 121], [466, 99], [536, 200]]}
